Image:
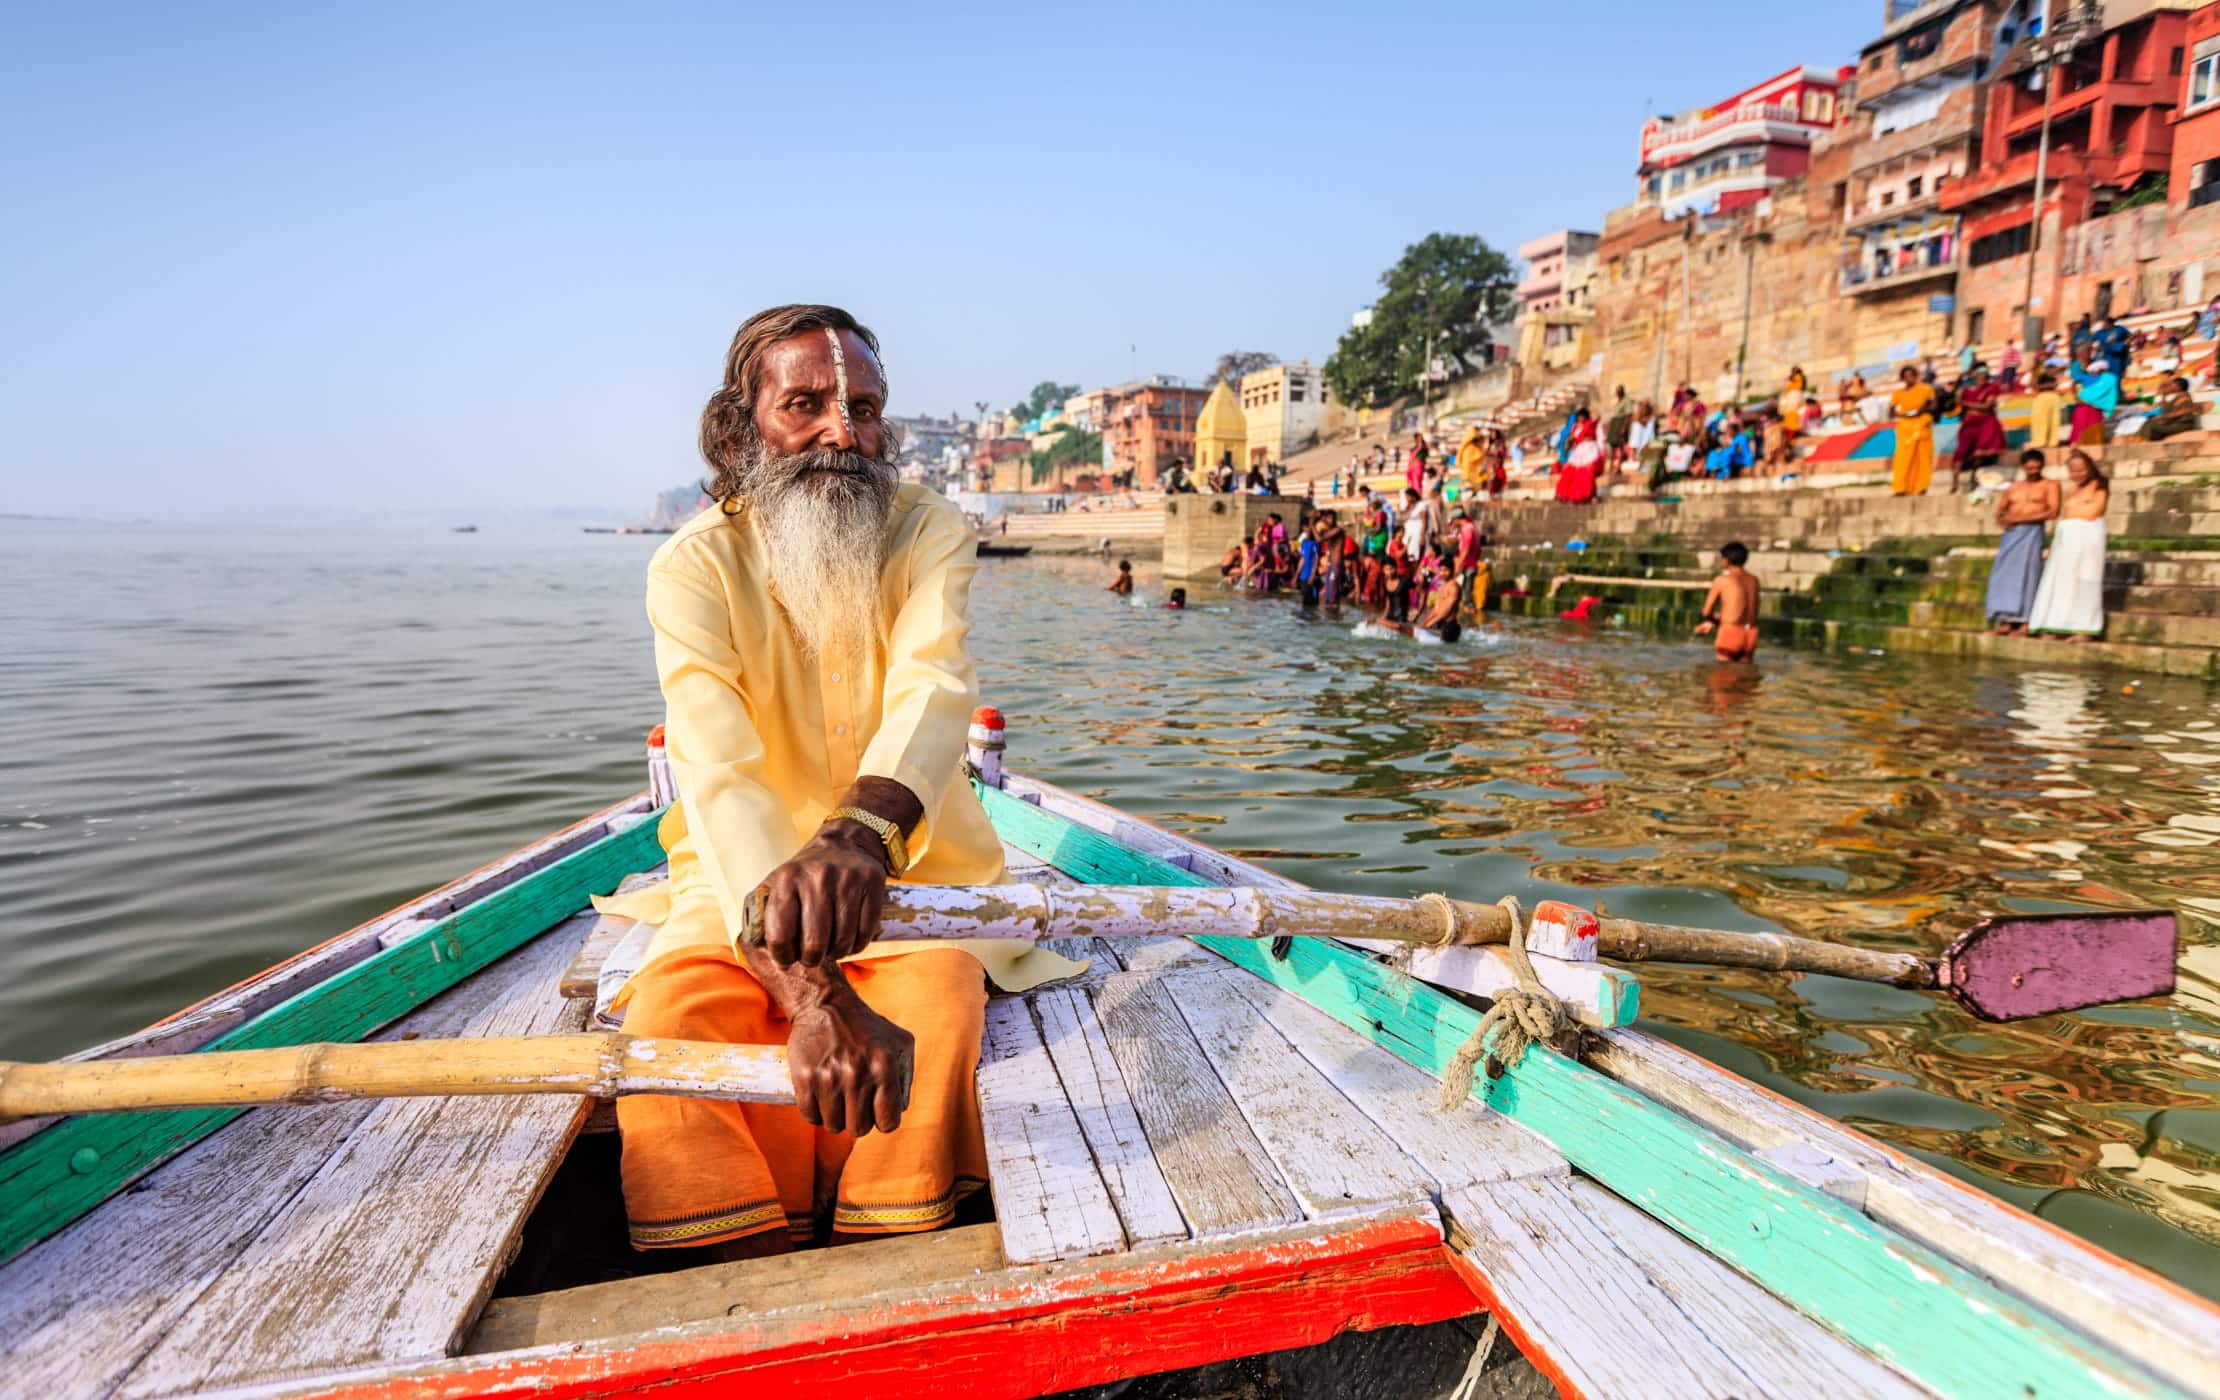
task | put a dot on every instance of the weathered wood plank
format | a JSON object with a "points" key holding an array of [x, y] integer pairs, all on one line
{"points": [[1218, 1171], [1578, 1307], [897, 1264], [584, 972], [1468, 1144], [55, 1177], [1917, 1309], [2161, 1325], [1104, 1107], [1022, 1330], [388, 1252], [1049, 1198], [1329, 1153], [1782, 1351], [1168, 955], [80, 1310]]}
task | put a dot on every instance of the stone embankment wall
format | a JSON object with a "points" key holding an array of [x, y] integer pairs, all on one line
{"points": [[1855, 566]]}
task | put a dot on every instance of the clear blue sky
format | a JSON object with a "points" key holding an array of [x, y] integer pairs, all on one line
{"points": [[290, 259]]}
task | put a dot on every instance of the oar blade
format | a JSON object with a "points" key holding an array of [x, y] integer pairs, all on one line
{"points": [[2023, 965]]}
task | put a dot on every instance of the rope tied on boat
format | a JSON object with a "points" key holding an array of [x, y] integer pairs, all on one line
{"points": [[1522, 1016]]}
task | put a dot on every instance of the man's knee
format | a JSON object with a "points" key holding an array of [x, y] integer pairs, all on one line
{"points": [[691, 995]]}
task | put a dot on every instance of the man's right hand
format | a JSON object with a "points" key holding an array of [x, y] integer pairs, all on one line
{"points": [[851, 1066]]}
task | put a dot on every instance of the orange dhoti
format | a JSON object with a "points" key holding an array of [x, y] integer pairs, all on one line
{"points": [[697, 1171]]}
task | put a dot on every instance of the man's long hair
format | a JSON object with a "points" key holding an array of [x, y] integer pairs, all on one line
{"points": [[728, 432]]}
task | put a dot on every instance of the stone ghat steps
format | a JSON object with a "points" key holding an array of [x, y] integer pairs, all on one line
{"points": [[2162, 608]]}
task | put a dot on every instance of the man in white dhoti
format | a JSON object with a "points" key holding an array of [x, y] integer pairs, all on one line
{"points": [[2069, 602]]}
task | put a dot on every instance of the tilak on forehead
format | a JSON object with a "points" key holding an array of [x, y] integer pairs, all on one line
{"points": [[840, 377]]}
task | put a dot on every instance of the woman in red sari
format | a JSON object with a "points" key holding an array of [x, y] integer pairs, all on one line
{"points": [[1980, 433], [1576, 480]]}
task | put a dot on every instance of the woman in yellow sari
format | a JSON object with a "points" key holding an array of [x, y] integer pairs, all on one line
{"points": [[1472, 471], [1914, 462]]}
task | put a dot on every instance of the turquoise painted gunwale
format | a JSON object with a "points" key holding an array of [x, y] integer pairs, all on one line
{"points": [[1929, 1317], [53, 1178]]}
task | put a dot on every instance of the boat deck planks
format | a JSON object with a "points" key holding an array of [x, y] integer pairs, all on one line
{"points": [[1100, 1100], [1332, 1156], [388, 1252], [1049, 1197], [1219, 1173], [80, 1310], [581, 978], [1574, 1301], [1777, 1346], [1469, 1144]]}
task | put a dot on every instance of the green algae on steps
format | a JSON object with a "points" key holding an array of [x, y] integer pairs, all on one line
{"points": [[1907, 595]]}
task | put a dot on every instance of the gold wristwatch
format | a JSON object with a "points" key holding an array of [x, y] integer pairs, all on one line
{"points": [[897, 851]]}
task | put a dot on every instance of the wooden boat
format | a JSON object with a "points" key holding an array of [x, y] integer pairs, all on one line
{"points": [[1003, 551], [1199, 1151]]}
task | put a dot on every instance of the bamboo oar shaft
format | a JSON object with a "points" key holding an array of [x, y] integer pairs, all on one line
{"points": [[1631, 940], [598, 1066]]}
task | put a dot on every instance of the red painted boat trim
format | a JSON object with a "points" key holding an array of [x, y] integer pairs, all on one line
{"points": [[1011, 1336]]}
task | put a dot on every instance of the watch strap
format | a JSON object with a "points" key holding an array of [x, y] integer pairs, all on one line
{"points": [[890, 835]]}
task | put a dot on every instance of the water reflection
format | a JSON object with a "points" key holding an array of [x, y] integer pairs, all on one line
{"points": [[1892, 799]]}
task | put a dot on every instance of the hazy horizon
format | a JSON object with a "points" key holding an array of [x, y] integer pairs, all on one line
{"points": [[419, 265]]}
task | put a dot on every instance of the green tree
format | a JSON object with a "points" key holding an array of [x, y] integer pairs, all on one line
{"points": [[1235, 363], [1046, 395], [1069, 453], [1446, 290]]}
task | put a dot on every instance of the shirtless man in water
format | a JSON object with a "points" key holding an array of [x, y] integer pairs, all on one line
{"points": [[1732, 606], [1437, 616]]}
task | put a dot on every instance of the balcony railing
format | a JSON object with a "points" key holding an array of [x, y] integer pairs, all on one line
{"points": [[1869, 271], [1658, 140]]}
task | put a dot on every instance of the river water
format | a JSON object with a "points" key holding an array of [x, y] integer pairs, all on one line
{"points": [[218, 747]]}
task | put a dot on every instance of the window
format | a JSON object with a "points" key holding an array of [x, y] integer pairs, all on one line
{"points": [[1888, 197], [1976, 322], [2204, 81], [1995, 247], [1912, 188], [2173, 61], [1873, 64]]}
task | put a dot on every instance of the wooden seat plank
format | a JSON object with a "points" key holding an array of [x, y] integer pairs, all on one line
{"points": [[1330, 1154], [1471, 1143], [1782, 1350], [1049, 1198], [82, 1308], [1104, 1106], [1576, 1305], [1219, 1173], [584, 973], [390, 1249]]}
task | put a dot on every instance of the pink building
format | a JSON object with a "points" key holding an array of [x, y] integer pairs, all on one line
{"points": [[1557, 269], [1721, 158]]}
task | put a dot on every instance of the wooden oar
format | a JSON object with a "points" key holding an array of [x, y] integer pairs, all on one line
{"points": [[600, 1066], [2004, 969]]}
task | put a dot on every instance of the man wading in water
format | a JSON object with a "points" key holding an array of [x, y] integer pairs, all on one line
{"points": [[810, 639]]}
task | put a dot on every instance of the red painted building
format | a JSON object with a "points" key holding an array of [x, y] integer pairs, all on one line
{"points": [[1147, 425], [1724, 157], [2111, 136]]}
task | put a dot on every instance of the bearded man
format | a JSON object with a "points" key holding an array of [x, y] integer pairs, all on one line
{"points": [[810, 638]]}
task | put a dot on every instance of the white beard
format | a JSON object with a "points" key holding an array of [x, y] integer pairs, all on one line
{"points": [[826, 539]]}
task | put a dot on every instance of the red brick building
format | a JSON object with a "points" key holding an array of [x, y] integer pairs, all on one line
{"points": [[1147, 425], [1001, 464], [1725, 157], [1922, 91], [2111, 138]]}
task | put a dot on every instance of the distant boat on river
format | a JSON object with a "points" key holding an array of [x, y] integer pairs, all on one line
{"points": [[466, 529]]}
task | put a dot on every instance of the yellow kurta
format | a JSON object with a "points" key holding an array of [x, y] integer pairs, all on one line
{"points": [[764, 740], [1914, 463]]}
